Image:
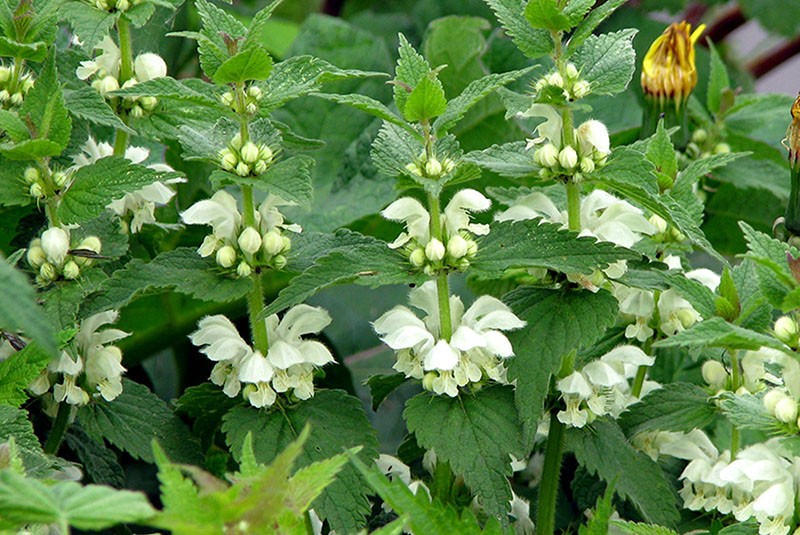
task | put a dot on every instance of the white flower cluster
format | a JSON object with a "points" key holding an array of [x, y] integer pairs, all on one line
{"points": [[571, 86], [288, 365], [88, 367], [761, 483], [475, 352], [602, 386], [245, 158], [602, 215], [12, 93], [555, 156], [457, 246], [252, 96], [431, 167], [116, 5], [52, 257], [136, 208], [104, 69], [236, 245]]}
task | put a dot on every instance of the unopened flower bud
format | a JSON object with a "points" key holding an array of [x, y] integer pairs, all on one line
{"points": [[456, 246], [435, 250], [714, 373], [55, 242], [149, 66], [243, 269], [587, 165], [91, 243], [472, 248], [265, 154], [568, 158], [580, 89], [242, 169], [123, 5], [700, 135], [251, 108], [249, 152], [413, 169], [106, 85], [433, 168], [659, 223], [236, 142], [721, 148], [287, 244], [5, 74], [60, 178], [254, 92], [272, 242], [137, 112], [462, 264], [448, 165], [31, 175], [226, 98], [547, 155], [786, 330], [36, 191], [250, 240], [17, 98], [786, 410], [572, 71], [771, 399], [686, 317], [71, 270], [36, 256], [279, 262], [417, 257], [228, 159], [4, 95], [226, 256], [427, 380], [48, 272], [148, 103], [260, 167], [555, 79]]}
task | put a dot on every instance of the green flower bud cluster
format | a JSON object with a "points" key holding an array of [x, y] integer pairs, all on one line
{"points": [[704, 144], [434, 257], [252, 96], [781, 405], [245, 159], [591, 150], [665, 233], [431, 167], [116, 5], [36, 185], [12, 92], [104, 72], [570, 84], [253, 249], [52, 257], [137, 106]]}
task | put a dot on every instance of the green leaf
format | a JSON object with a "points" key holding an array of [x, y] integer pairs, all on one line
{"points": [[770, 253], [193, 91], [289, 179], [718, 81], [602, 449], [136, 417], [533, 243], [475, 433], [411, 70], [206, 404], [716, 332], [509, 160], [90, 25], [18, 371], [86, 103], [590, 23], [476, 91], [627, 166], [748, 412], [558, 322], [30, 150], [381, 386], [182, 269], [368, 105], [662, 154], [607, 61], [426, 101], [533, 42], [13, 126], [337, 422], [368, 263], [12, 49], [99, 462], [95, 186], [600, 515], [258, 26], [253, 63], [44, 106], [19, 311], [211, 44], [546, 14], [15, 423], [637, 528], [676, 407]]}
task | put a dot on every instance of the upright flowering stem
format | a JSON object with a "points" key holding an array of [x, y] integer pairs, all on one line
{"points": [[125, 73], [641, 373], [442, 286], [736, 382], [59, 429]]}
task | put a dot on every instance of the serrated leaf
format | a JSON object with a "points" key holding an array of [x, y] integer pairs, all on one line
{"points": [[607, 61], [509, 159], [259, 24], [369, 263], [206, 404], [546, 14], [533, 42], [194, 91], [289, 179], [14, 423], [534, 243], [588, 25], [381, 386], [411, 69], [182, 269], [476, 434], [99, 462], [337, 422], [638, 528], [601, 514], [676, 407], [18, 371], [602, 449], [558, 322], [30, 150], [476, 91], [253, 63], [211, 44], [748, 412], [661, 152], [716, 332], [108, 179], [393, 149], [425, 101], [368, 105], [19, 311], [86, 103], [770, 253], [90, 25], [136, 417], [44, 105], [13, 126], [718, 80], [29, 51]]}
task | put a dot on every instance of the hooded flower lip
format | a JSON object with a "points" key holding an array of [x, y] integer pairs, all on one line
{"points": [[668, 69]]}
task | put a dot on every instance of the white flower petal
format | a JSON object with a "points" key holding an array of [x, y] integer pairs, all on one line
{"points": [[441, 357]]}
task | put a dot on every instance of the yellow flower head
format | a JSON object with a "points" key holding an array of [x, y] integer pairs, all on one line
{"points": [[792, 141], [668, 70]]}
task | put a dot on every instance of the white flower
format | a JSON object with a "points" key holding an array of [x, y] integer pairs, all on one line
{"points": [[549, 130], [220, 212], [287, 348], [675, 312], [521, 512], [148, 66], [271, 218], [416, 218], [106, 63], [104, 372], [219, 340], [456, 213], [55, 243], [593, 137]]}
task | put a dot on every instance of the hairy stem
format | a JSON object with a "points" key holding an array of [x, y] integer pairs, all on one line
{"points": [[574, 205], [551, 473], [59, 429], [255, 303], [442, 287], [736, 380], [121, 137], [638, 382]]}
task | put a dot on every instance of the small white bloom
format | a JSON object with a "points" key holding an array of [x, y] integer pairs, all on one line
{"points": [[148, 66], [249, 152], [546, 155], [416, 218], [220, 211], [249, 240], [593, 136], [435, 250], [55, 243], [456, 213], [219, 340], [715, 374]]}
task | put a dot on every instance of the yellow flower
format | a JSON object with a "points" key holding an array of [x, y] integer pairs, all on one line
{"points": [[792, 141], [668, 70]]}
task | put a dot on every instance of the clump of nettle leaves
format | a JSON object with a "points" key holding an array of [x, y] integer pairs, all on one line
{"points": [[543, 403]]}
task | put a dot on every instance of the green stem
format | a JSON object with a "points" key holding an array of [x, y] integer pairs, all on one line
{"points": [[574, 205], [58, 430], [255, 304], [121, 138], [125, 50], [548, 491], [736, 380], [442, 287], [16, 74], [793, 208], [641, 372], [241, 105], [249, 212]]}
